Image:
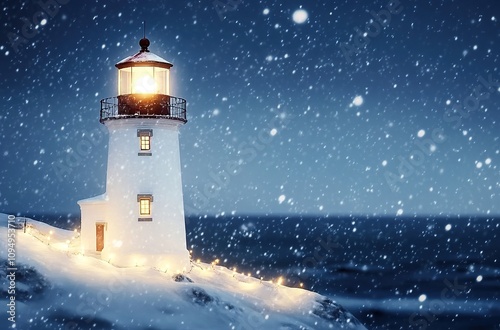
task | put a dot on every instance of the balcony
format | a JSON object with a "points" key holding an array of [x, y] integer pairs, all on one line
{"points": [[143, 106]]}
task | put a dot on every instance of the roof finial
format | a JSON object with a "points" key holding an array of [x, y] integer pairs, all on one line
{"points": [[144, 42]]}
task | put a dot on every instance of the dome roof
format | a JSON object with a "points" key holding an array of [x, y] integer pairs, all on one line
{"points": [[144, 57]]}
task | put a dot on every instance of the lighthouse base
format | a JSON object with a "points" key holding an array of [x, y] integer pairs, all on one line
{"points": [[160, 244]]}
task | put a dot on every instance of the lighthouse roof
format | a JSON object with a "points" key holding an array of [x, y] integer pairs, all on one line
{"points": [[144, 57]]}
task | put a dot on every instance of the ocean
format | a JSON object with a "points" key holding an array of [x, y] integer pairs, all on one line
{"points": [[391, 273]]}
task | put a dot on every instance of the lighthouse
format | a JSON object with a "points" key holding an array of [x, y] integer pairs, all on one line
{"points": [[139, 220]]}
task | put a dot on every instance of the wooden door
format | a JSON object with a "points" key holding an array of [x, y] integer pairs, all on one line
{"points": [[99, 237]]}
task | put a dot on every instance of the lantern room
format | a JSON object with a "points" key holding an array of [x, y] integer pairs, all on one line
{"points": [[143, 89], [144, 73]]}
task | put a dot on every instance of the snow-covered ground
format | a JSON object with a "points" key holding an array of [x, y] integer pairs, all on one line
{"points": [[59, 288]]}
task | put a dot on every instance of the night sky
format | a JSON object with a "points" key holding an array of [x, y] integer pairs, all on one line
{"points": [[366, 107]]}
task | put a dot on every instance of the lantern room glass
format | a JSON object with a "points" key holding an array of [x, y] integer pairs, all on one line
{"points": [[143, 80]]}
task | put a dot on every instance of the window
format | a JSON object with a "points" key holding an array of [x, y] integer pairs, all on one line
{"points": [[143, 80], [144, 136], [145, 201], [124, 81], [145, 206], [145, 142]]}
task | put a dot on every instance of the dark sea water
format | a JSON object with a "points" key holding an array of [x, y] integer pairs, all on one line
{"points": [[391, 273]]}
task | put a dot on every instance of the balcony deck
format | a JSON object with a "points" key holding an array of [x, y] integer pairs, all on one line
{"points": [[143, 106]]}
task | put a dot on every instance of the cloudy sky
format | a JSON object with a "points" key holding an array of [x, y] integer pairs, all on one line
{"points": [[294, 107]]}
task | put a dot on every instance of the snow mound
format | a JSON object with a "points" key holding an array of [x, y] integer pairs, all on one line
{"points": [[59, 288]]}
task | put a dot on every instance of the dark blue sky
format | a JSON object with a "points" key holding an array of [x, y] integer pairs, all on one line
{"points": [[336, 115]]}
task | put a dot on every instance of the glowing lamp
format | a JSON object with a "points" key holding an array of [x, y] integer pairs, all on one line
{"points": [[145, 84], [147, 77]]}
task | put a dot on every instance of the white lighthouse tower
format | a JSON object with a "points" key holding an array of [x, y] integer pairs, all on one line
{"points": [[139, 220]]}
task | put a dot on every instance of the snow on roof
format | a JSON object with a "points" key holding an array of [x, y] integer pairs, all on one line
{"points": [[144, 57], [93, 200]]}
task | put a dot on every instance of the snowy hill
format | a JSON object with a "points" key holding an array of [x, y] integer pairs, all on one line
{"points": [[58, 288]]}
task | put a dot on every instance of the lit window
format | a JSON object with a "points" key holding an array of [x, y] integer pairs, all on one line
{"points": [[145, 201], [145, 142], [144, 136], [145, 206]]}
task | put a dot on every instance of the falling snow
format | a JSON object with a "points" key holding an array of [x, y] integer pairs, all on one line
{"points": [[256, 70], [358, 100], [300, 16], [281, 199], [376, 136]]}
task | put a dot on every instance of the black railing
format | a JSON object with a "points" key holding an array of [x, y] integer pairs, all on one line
{"points": [[143, 106]]}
